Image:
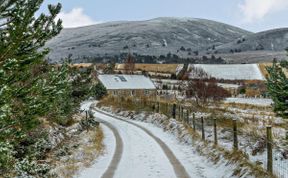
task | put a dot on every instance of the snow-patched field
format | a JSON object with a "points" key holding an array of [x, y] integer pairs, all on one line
{"points": [[231, 71], [251, 101]]}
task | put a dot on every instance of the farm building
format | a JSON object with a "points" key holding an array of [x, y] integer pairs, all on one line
{"points": [[128, 85]]}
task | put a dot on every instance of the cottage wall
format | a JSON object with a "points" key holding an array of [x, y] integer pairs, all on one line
{"points": [[133, 93]]}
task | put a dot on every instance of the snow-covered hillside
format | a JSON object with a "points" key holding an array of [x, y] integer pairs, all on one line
{"points": [[153, 37]]}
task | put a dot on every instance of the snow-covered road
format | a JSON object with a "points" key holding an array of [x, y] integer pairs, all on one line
{"points": [[146, 152], [142, 156]]}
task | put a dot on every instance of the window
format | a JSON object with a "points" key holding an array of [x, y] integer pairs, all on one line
{"points": [[123, 79], [146, 92], [116, 79], [114, 92]]}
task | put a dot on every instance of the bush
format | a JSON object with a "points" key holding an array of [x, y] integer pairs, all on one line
{"points": [[204, 91], [165, 87], [284, 64], [6, 156], [28, 168], [100, 91], [242, 91]]}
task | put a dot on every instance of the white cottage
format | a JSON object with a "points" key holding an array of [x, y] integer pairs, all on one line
{"points": [[128, 85]]}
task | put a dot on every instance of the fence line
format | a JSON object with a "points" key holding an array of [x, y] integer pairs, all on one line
{"points": [[180, 112]]}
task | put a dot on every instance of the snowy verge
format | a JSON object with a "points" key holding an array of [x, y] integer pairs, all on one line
{"points": [[102, 162], [75, 147]]}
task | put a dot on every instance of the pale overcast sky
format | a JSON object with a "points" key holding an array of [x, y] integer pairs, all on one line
{"points": [[253, 15]]}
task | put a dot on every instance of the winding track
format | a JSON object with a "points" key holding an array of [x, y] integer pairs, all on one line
{"points": [[109, 173], [178, 168]]}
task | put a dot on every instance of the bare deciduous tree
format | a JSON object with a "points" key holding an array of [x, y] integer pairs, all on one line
{"points": [[204, 88], [129, 65]]}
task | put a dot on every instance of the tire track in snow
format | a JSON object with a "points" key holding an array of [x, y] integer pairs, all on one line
{"points": [[109, 173], [177, 166]]}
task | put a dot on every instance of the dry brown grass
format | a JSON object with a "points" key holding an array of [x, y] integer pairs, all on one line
{"points": [[70, 166], [69, 170], [263, 66], [95, 146], [227, 123], [263, 70], [160, 68]]}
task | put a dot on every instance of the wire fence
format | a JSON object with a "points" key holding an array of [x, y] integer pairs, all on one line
{"points": [[280, 164], [271, 158], [225, 133]]}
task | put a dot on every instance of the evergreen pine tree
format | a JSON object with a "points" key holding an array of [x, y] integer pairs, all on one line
{"points": [[27, 92], [277, 85]]}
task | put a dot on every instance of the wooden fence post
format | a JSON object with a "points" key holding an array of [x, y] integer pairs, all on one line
{"points": [[179, 112], [158, 107], [174, 111], [183, 113], [187, 116], [215, 132], [235, 135], [269, 150], [86, 124], [193, 122], [168, 110], [202, 127]]}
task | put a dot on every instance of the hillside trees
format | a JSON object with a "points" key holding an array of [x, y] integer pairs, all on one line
{"points": [[277, 85]]}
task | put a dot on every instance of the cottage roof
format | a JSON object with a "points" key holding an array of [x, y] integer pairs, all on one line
{"points": [[126, 82]]}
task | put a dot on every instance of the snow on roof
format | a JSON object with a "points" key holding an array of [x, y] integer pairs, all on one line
{"points": [[126, 82]]}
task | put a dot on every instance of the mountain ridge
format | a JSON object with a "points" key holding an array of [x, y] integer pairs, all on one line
{"points": [[159, 37]]}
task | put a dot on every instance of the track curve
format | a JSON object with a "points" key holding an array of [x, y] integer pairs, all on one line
{"points": [[110, 171], [178, 168]]}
